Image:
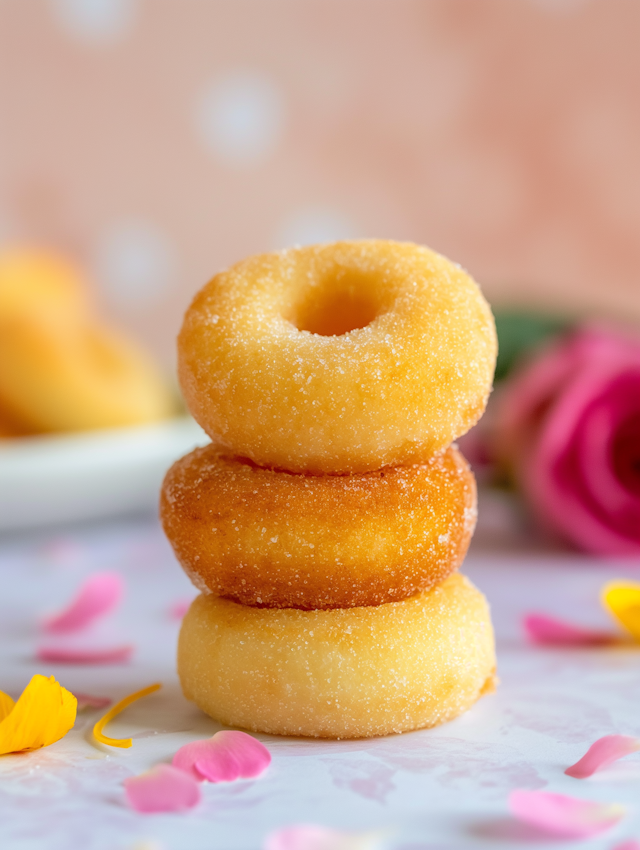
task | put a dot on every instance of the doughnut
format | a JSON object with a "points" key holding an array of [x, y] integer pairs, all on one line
{"points": [[36, 280], [60, 375], [58, 370], [11, 427], [287, 540], [338, 358], [344, 673]]}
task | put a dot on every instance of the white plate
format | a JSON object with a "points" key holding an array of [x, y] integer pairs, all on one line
{"points": [[69, 477]]}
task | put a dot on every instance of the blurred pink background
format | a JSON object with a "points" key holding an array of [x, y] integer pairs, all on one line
{"points": [[158, 141]]}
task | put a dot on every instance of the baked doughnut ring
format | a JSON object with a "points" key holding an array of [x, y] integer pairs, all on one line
{"points": [[346, 673], [37, 280], [338, 358], [286, 540], [58, 375]]}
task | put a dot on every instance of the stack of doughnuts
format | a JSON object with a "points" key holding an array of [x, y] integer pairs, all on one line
{"points": [[326, 521]]}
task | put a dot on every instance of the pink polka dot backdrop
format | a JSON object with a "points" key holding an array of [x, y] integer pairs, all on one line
{"points": [[158, 141]]}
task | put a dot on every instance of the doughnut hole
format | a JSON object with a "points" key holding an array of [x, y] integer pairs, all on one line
{"points": [[341, 302]]}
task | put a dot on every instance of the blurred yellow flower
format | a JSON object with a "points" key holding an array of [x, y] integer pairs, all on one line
{"points": [[44, 713], [622, 599]]}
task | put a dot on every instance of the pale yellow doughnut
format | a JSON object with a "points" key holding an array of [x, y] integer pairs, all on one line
{"points": [[338, 358], [344, 673]]}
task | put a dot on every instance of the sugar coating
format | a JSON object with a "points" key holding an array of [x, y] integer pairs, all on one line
{"points": [[278, 539], [344, 673], [338, 358]]}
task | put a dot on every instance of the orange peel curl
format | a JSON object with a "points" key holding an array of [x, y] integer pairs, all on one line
{"points": [[124, 743]]}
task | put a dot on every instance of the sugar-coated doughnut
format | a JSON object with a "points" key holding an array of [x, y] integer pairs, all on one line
{"points": [[345, 673], [42, 281], [58, 370], [280, 539], [60, 375], [338, 358]]}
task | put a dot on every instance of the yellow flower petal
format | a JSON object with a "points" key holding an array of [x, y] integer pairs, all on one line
{"points": [[117, 708], [44, 713], [622, 599], [6, 705]]}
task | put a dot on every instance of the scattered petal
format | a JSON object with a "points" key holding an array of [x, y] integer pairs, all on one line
{"points": [[622, 599], [312, 837], [548, 631], [98, 595], [6, 705], [87, 702], [179, 609], [162, 789], [68, 655], [603, 752], [44, 713], [567, 817], [225, 757], [125, 743]]}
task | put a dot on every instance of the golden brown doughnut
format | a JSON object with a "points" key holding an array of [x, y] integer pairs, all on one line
{"points": [[286, 540], [345, 673], [60, 375], [338, 358]]}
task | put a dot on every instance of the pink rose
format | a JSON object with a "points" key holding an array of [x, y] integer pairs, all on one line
{"points": [[569, 426]]}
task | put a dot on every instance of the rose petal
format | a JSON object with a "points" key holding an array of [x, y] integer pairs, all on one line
{"points": [[65, 655], [224, 757], [86, 701], [631, 844], [622, 599], [162, 789], [564, 816], [603, 752], [44, 713], [179, 609], [98, 595], [312, 837], [124, 743], [549, 631]]}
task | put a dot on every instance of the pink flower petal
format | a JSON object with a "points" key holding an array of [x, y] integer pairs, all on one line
{"points": [[548, 631], [64, 655], [98, 595], [162, 789], [179, 609], [567, 817], [312, 837], [630, 844], [86, 701], [603, 752], [224, 757]]}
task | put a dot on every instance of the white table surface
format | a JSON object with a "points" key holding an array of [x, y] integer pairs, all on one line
{"points": [[440, 788]]}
